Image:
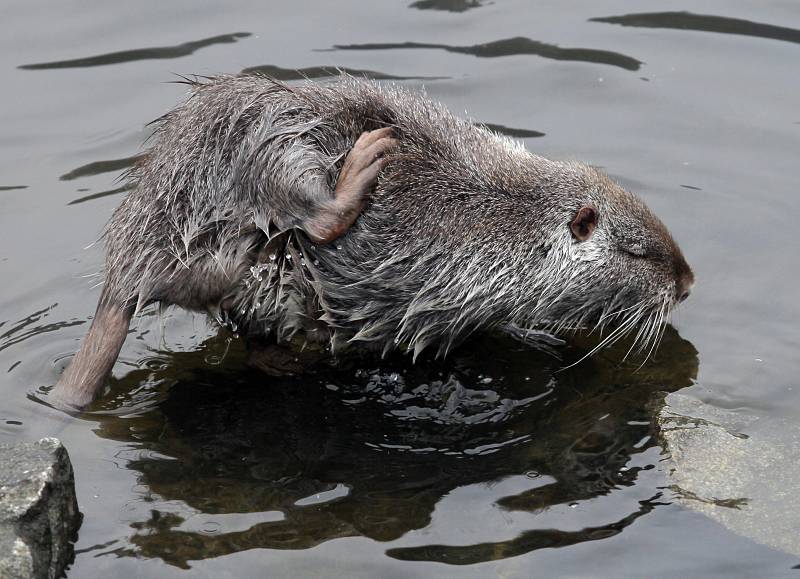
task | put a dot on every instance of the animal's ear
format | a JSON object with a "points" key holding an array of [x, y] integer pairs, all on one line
{"points": [[584, 223]]}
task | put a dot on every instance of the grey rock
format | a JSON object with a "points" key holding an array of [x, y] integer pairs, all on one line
{"points": [[39, 515], [739, 470]]}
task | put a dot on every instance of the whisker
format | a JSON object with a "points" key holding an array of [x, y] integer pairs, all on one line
{"points": [[660, 324], [615, 335]]}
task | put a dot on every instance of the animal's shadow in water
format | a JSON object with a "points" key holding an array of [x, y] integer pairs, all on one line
{"points": [[386, 443]]}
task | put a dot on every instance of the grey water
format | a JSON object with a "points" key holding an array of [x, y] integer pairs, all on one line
{"points": [[494, 462]]}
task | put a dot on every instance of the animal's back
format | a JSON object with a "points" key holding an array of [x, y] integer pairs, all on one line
{"points": [[222, 178]]}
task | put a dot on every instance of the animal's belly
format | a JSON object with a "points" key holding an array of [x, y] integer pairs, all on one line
{"points": [[275, 297]]}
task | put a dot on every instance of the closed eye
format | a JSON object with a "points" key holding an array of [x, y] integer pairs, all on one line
{"points": [[637, 250]]}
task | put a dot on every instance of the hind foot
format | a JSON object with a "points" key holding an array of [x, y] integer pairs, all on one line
{"points": [[357, 178]]}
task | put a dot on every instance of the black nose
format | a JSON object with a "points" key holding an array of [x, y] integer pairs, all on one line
{"points": [[684, 295]]}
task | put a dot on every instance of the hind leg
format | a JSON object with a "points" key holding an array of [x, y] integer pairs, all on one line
{"points": [[361, 168], [207, 280]]}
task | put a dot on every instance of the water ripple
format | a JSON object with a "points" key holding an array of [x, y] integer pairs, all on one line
{"points": [[704, 23], [280, 73], [448, 5], [155, 52], [99, 167], [518, 45]]}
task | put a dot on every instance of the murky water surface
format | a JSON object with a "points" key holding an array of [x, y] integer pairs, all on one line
{"points": [[492, 462]]}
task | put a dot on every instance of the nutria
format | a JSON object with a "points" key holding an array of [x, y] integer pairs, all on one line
{"points": [[256, 203]]}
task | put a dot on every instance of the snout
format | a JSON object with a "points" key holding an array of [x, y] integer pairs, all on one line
{"points": [[683, 276], [684, 286]]}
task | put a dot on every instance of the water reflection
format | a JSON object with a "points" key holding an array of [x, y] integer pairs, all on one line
{"points": [[372, 449], [155, 52], [525, 543], [704, 23], [514, 46]]}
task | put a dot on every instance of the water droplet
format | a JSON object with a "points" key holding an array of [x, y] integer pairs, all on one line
{"points": [[573, 505], [256, 270], [272, 257]]}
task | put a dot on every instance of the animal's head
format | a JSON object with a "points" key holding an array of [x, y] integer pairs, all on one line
{"points": [[609, 261]]}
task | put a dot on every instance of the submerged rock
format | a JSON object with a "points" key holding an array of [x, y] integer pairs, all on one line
{"points": [[39, 515], [735, 468]]}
